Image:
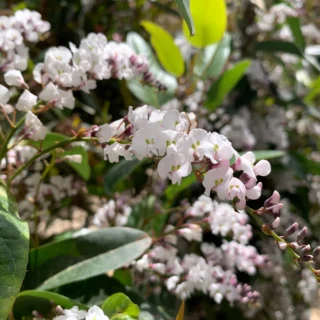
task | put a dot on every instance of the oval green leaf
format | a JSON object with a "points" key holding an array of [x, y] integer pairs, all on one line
{"points": [[41, 301], [225, 84], [211, 61], [167, 51], [210, 22], [14, 248], [100, 263], [119, 304]]}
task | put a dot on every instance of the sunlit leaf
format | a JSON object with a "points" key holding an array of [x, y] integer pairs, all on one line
{"points": [[210, 22], [167, 51]]}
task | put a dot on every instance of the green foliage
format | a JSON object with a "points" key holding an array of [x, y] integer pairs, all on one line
{"points": [[225, 84], [119, 306], [184, 7], [14, 246], [167, 51], [210, 22], [85, 256], [274, 46], [30, 300], [212, 59], [83, 169]]}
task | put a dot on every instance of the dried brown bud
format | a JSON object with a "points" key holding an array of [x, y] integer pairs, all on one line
{"points": [[266, 230]]}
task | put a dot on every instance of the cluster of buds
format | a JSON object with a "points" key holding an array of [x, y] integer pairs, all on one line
{"points": [[300, 251]]}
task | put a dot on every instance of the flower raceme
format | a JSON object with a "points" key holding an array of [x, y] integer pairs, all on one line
{"points": [[173, 139]]}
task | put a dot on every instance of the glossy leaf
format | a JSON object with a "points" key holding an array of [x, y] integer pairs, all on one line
{"points": [[119, 304], [101, 263], [210, 22], [14, 248], [118, 173], [274, 46], [184, 8], [225, 84], [211, 61], [167, 51], [30, 300], [268, 154]]}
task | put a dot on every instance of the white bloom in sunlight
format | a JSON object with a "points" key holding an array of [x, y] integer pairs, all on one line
{"points": [[66, 99], [105, 133], [138, 117], [172, 282], [49, 93], [72, 314], [95, 313], [114, 151], [192, 232], [202, 206], [14, 78], [76, 158], [35, 130], [26, 101], [4, 95], [142, 263], [174, 167]]}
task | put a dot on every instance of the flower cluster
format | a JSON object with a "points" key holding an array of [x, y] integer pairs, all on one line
{"points": [[94, 313], [65, 70], [175, 140], [24, 25], [213, 272]]}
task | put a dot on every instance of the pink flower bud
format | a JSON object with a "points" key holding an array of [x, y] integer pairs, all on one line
{"points": [[292, 229], [262, 168], [316, 251], [307, 258], [273, 200], [305, 250], [276, 223], [283, 245], [302, 234]]}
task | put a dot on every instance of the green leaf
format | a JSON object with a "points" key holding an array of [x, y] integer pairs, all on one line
{"points": [[173, 190], [146, 93], [41, 301], [83, 169], [267, 154], [211, 61], [52, 138], [119, 304], [118, 173], [101, 263], [274, 46], [167, 51], [210, 22], [225, 84], [14, 248], [184, 7], [314, 91], [295, 26]]}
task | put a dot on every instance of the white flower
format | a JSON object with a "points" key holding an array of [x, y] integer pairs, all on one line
{"points": [[14, 78], [174, 167], [95, 313], [26, 101], [192, 232], [72, 314], [4, 95], [66, 99], [105, 133], [49, 93], [35, 130], [112, 152]]}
